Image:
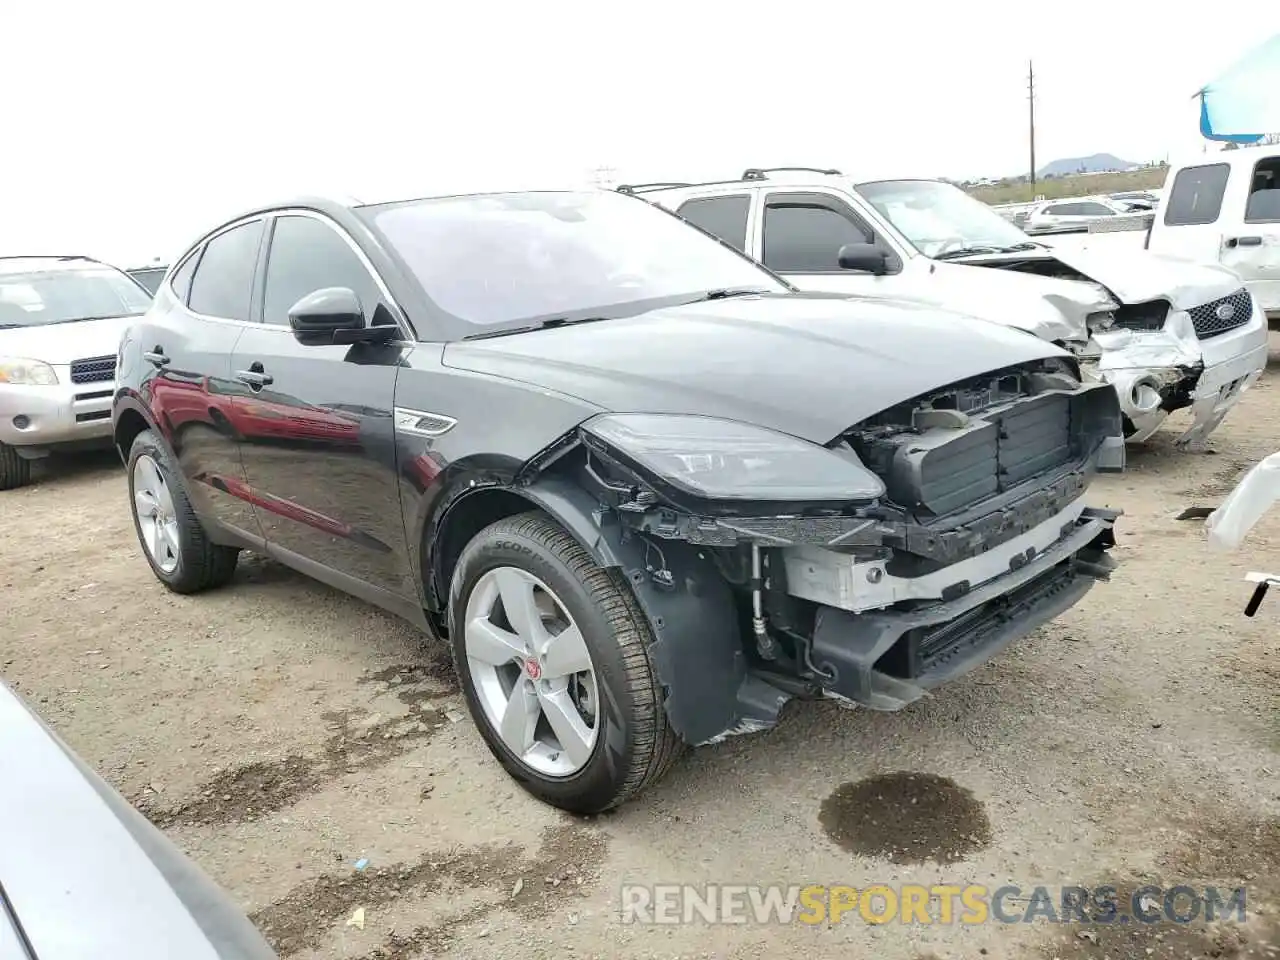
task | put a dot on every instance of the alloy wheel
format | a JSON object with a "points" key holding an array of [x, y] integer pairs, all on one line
{"points": [[532, 672], [153, 507]]}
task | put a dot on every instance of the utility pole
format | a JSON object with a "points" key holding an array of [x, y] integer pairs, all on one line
{"points": [[1031, 100]]}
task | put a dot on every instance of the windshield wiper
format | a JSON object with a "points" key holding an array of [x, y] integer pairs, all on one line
{"points": [[727, 292], [531, 327], [10, 326], [967, 251], [980, 248]]}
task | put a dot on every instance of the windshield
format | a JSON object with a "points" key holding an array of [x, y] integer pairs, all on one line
{"points": [[513, 259], [937, 217], [38, 297]]}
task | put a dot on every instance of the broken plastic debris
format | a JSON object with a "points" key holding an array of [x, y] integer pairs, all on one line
{"points": [[357, 919], [515, 891], [362, 863]]}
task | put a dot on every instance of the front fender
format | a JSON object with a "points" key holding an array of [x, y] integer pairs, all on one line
{"points": [[697, 651]]}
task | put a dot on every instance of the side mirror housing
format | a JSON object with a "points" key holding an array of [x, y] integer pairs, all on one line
{"points": [[868, 257], [333, 315]]}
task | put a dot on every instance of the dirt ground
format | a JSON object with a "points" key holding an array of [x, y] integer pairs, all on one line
{"points": [[280, 732]]}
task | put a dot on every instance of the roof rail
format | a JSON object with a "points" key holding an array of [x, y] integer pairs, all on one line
{"points": [[758, 173], [44, 256], [658, 185], [751, 173]]}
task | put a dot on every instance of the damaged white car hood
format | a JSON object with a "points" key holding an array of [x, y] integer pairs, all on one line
{"points": [[1137, 276]]}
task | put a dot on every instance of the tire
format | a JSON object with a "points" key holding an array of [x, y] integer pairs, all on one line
{"points": [[14, 470], [634, 744], [197, 563]]}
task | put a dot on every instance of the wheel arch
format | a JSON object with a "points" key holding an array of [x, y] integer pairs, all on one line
{"points": [[697, 650], [131, 419], [466, 514]]}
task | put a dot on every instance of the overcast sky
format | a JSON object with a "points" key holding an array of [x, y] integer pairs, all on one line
{"points": [[129, 126]]}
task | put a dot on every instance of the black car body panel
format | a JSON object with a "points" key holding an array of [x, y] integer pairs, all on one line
{"points": [[370, 465], [807, 366]]}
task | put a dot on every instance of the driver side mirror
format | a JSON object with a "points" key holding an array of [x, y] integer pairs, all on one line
{"points": [[868, 257], [333, 315]]}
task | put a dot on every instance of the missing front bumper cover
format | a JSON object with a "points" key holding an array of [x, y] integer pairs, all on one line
{"points": [[888, 659]]}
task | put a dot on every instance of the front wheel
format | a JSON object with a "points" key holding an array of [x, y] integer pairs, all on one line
{"points": [[552, 653], [14, 470], [175, 544]]}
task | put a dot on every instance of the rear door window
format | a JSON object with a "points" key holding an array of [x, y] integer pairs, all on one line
{"points": [[223, 282], [1196, 196], [723, 217]]}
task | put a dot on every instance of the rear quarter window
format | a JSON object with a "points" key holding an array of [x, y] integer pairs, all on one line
{"points": [[1196, 195], [723, 217]]}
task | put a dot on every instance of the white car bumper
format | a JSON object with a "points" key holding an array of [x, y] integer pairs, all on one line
{"points": [[37, 417]]}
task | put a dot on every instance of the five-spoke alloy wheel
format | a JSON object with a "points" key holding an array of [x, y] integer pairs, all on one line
{"points": [[181, 554], [553, 655]]}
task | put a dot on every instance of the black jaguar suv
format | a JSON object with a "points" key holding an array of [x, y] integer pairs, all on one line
{"points": [[647, 491]]}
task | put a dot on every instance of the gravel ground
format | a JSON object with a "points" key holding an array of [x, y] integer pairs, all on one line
{"points": [[280, 732]]}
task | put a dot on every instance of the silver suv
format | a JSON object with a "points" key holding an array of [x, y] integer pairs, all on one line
{"points": [[61, 319]]}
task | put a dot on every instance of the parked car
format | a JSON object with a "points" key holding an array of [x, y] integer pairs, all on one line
{"points": [[83, 874], [646, 489], [60, 321], [1167, 334], [1225, 208], [149, 276], [1137, 199], [1074, 210]]}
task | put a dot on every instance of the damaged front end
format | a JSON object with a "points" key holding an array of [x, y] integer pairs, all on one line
{"points": [[1162, 359], [1164, 345], [905, 552]]}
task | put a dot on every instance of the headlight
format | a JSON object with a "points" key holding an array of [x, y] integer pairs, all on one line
{"points": [[728, 460], [30, 372], [1063, 366]]}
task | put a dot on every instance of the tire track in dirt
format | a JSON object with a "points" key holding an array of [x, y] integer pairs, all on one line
{"points": [[567, 860], [358, 741], [1228, 853]]}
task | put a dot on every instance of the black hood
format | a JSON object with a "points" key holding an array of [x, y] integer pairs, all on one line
{"points": [[808, 366]]}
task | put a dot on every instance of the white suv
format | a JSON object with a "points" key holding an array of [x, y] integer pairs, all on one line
{"points": [[1167, 334], [61, 319]]}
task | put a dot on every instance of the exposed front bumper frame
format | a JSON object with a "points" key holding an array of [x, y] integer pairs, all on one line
{"points": [[846, 647]]}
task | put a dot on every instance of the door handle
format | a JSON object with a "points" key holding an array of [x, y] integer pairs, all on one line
{"points": [[255, 376], [1244, 241], [156, 356]]}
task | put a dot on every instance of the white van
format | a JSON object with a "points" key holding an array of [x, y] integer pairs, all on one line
{"points": [[1225, 208]]}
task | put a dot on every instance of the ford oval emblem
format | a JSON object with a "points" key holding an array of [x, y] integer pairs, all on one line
{"points": [[1225, 311]]}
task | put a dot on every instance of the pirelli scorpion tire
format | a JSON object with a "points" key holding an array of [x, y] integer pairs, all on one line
{"points": [[14, 471], [176, 546], [553, 655]]}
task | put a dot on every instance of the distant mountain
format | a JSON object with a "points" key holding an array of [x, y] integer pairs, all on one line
{"points": [[1097, 163]]}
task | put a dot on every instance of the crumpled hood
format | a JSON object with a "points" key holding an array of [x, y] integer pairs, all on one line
{"points": [[1136, 276], [62, 343], [810, 366]]}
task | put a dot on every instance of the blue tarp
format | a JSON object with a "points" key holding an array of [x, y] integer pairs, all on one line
{"points": [[1243, 105]]}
